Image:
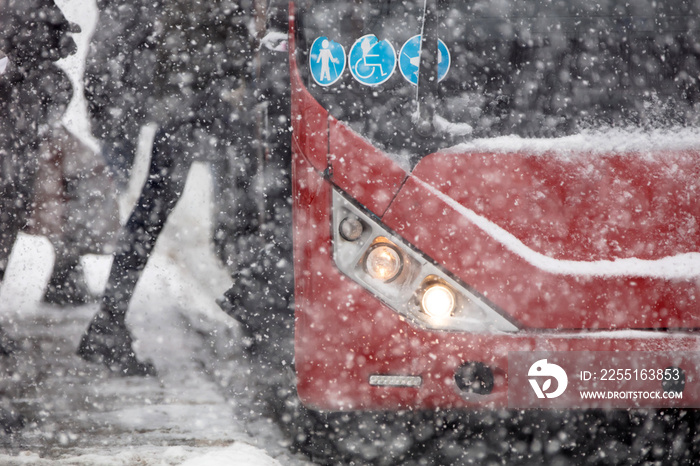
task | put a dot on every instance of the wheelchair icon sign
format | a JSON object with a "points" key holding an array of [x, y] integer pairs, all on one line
{"points": [[326, 61], [372, 61], [409, 59]]}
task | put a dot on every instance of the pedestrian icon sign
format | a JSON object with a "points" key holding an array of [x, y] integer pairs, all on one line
{"points": [[372, 61], [326, 61], [409, 59]]}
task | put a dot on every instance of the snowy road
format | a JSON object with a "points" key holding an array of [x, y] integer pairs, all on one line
{"points": [[78, 413]]}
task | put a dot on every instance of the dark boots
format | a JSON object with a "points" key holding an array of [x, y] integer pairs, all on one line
{"points": [[67, 284], [107, 341]]}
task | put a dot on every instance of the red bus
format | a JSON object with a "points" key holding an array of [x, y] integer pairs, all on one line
{"points": [[478, 211]]}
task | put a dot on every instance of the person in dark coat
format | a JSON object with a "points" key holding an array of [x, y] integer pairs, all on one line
{"points": [[119, 70], [35, 95], [34, 92], [261, 297], [201, 100]]}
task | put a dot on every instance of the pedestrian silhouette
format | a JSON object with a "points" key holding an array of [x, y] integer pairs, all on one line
{"points": [[201, 99], [325, 56]]}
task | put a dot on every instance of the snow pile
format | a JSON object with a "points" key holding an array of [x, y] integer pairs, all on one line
{"points": [[610, 141], [238, 454], [679, 267]]}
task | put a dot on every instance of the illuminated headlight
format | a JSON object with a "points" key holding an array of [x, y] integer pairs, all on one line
{"points": [[383, 262], [404, 278], [438, 301]]}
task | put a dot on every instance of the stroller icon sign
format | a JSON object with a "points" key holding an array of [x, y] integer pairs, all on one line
{"points": [[372, 62]]}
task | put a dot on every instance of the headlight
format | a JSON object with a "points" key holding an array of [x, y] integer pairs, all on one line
{"points": [[383, 262], [351, 228], [403, 278], [438, 301]]}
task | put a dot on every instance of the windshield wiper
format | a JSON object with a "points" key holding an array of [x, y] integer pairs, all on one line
{"points": [[427, 93]]}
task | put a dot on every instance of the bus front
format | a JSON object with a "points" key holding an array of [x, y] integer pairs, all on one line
{"points": [[496, 203]]}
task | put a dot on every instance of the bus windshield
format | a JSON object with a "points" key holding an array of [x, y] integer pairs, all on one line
{"points": [[531, 68]]}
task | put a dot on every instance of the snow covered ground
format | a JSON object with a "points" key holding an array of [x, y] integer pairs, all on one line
{"points": [[78, 413]]}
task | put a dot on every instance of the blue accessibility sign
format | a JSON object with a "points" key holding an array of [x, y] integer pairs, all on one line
{"points": [[409, 59], [372, 61], [326, 61]]}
